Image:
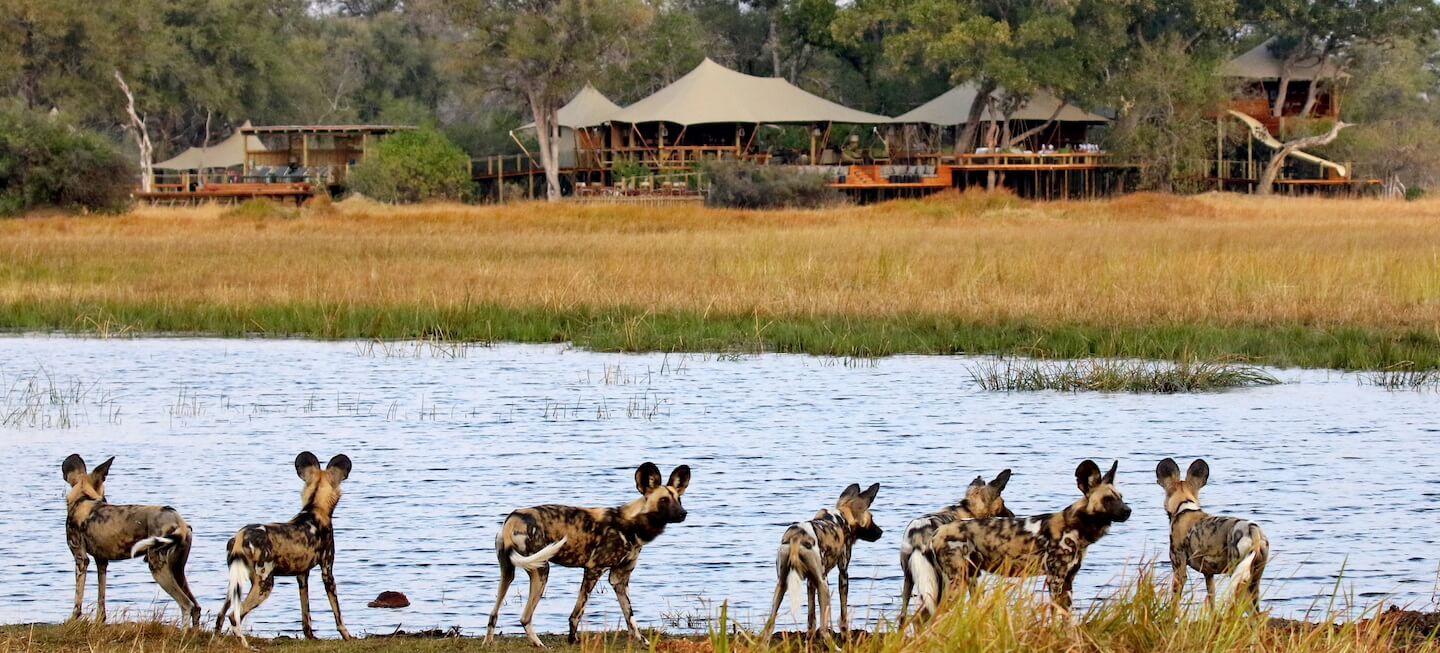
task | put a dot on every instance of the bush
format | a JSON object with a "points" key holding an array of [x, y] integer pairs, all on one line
{"points": [[47, 163], [260, 209], [415, 166], [749, 186]]}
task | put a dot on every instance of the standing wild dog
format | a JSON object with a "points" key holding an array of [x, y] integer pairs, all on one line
{"points": [[260, 552], [595, 539], [809, 550], [96, 529], [1210, 544], [1051, 545], [917, 560]]}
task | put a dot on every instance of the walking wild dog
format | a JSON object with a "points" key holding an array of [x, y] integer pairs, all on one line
{"points": [[1209, 544], [1052, 545], [595, 539], [809, 550], [260, 552], [917, 560], [97, 529]]}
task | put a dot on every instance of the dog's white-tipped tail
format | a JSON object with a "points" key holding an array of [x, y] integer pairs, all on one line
{"points": [[538, 558], [795, 587], [927, 581], [239, 576], [1241, 574], [147, 544]]}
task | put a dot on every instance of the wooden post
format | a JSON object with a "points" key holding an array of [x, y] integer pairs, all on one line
{"points": [[500, 182], [304, 149], [1219, 153]]}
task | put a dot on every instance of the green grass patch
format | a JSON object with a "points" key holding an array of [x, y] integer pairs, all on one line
{"points": [[1112, 375], [634, 330]]}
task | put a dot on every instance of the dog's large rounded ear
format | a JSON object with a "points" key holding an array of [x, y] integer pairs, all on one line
{"points": [[680, 479], [1087, 476], [1001, 481], [869, 494], [73, 468], [101, 471], [338, 468], [1167, 473], [850, 491], [1198, 474], [1110, 475], [305, 463], [647, 478]]}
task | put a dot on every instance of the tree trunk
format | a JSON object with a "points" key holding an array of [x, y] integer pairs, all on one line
{"points": [[29, 77], [965, 144], [547, 132], [1278, 109], [1035, 130], [142, 137], [773, 42], [1266, 184]]}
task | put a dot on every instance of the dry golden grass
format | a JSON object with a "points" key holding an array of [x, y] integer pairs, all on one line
{"points": [[1135, 268]]}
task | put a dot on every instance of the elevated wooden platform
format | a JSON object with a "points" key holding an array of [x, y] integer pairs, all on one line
{"points": [[229, 194]]}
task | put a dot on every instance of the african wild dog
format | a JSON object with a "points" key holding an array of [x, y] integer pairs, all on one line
{"points": [[1052, 545], [105, 532], [1210, 544], [595, 539], [809, 550], [917, 560], [260, 552]]}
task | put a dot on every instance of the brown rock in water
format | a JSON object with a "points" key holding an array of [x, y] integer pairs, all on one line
{"points": [[390, 600]]}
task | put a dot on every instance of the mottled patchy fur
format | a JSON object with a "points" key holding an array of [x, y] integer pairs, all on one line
{"points": [[96, 529], [1209, 544], [260, 552], [594, 539], [918, 565], [1052, 545], [809, 550]]}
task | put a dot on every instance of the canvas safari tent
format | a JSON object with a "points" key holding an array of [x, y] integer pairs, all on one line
{"points": [[952, 109], [228, 153], [581, 121], [714, 112], [1259, 72]]}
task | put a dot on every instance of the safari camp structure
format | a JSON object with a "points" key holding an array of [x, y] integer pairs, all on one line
{"points": [[1311, 94], [656, 148], [287, 163], [656, 145]]}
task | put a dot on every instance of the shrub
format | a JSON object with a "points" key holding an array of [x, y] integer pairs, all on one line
{"points": [[260, 209], [47, 163], [415, 166], [749, 186]]}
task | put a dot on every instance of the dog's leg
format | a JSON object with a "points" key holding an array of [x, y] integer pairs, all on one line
{"points": [[811, 613], [587, 585], [1210, 591], [907, 585], [162, 568], [507, 575], [844, 583], [100, 568], [620, 580], [260, 588], [224, 610], [327, 575], [823, 594], [538, 579], [82, 564], [302, 581], [1178, 576], [774, 609]]}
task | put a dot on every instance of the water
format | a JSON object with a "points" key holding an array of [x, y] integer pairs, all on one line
{"points": [[445, 443]]}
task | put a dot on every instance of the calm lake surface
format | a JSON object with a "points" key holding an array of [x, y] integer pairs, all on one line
{"points": [[1343, 476]]}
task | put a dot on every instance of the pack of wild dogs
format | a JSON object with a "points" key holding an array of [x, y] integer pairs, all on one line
{"points": [[942, 552]]}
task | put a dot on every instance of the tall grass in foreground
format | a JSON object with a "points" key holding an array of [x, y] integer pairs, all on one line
{"points": [[1347, 284], [1007, 616], [1111, 375]]}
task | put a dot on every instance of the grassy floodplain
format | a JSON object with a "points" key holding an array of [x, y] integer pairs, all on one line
{"points": [[1350, 284]]}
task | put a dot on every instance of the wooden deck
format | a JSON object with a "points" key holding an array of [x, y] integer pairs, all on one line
{"points": [[229, 194]]}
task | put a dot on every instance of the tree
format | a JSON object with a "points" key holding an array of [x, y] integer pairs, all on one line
{"points": [[1398, 119], [1019, 45], [543, 51]]}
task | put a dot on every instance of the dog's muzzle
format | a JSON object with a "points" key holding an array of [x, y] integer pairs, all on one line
{"points": [[1123, 514]]}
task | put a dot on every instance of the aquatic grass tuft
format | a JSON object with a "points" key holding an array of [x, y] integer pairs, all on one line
{"points": [[1116, 375], [1404, 376]]}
